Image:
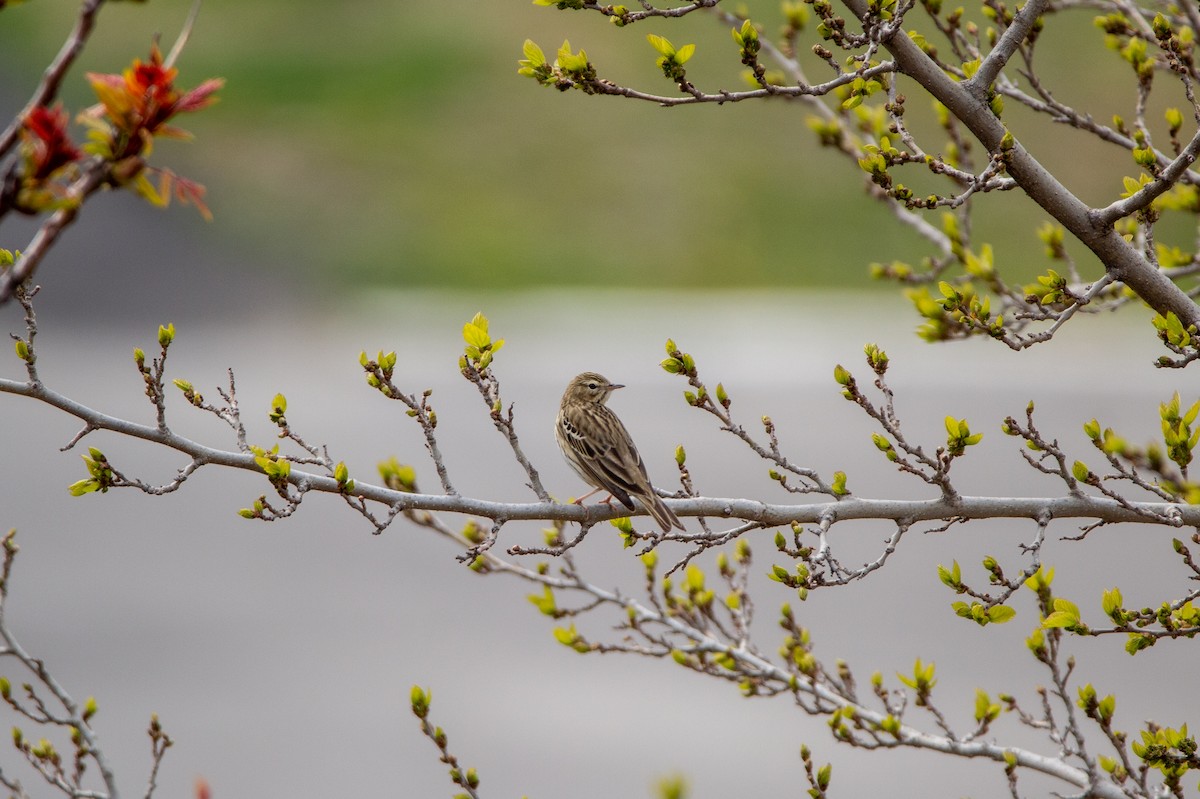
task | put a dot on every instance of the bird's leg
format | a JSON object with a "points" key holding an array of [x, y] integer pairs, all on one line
{"points": [[579, 500]]}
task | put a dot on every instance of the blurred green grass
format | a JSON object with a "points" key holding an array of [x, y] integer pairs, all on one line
{"points": [[384, 143]]}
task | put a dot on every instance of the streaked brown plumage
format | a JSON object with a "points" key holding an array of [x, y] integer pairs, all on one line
{"points": [[599, 448]]}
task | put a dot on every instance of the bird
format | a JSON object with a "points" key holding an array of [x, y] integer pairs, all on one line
{"points": [[599, 449]]}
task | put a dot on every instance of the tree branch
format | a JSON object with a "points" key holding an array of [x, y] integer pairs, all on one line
{"points": [[52, 78], [1120, 259], [76, 717], [1167, 178], [722, 97], [995, 61], [770, 678], [845, 509], [94, 176]]}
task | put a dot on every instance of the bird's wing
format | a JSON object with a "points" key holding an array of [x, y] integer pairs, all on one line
{"points": [[607, 453]]}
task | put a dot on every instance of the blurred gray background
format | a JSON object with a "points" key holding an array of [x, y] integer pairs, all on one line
{"points": [[280, 656]]}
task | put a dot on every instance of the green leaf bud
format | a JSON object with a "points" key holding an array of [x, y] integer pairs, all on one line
{"points": [[722, 397], [419, 698], [672, 365]]}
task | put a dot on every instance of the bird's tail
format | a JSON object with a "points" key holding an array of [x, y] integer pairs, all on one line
{"points": [[662, 514]]}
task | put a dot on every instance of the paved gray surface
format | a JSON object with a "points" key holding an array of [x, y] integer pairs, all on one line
{"points": [[125, 261], [280, 656]]}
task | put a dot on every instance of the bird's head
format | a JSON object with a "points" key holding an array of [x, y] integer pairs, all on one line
{"points": [[590, 387]]}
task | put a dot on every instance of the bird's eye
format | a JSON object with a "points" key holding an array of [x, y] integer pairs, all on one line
{"points": [[592, 385]]}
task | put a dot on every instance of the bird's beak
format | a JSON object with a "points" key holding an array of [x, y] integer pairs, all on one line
{"points": [[613, 386]]}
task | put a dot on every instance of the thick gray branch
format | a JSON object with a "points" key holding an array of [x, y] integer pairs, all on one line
{"points": [[1092, 228], [849, 508], [995, 61]]}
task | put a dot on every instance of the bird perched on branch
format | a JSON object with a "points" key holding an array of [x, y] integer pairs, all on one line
{"points": [[599, 448]]}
